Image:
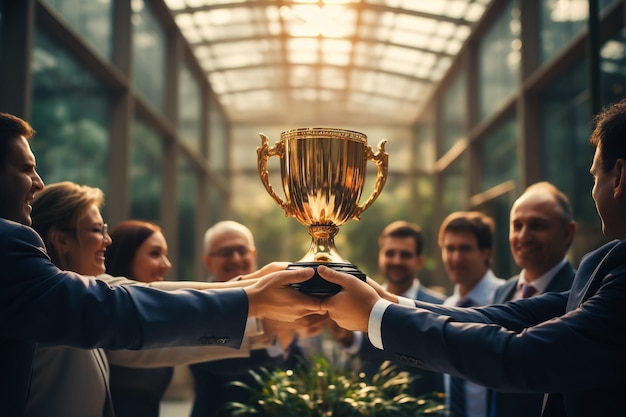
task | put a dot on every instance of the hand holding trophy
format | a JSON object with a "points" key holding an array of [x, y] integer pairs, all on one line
{"points": [[323, 174]]}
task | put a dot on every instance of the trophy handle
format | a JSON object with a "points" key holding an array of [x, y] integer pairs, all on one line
{"points": [[381, 159], [264, 152]]}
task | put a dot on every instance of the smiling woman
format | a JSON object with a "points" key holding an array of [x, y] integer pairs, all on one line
{"points": [[139, 252], [68, 381]]}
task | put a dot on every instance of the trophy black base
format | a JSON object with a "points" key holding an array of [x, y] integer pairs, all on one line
{"points": [[317, 285]]}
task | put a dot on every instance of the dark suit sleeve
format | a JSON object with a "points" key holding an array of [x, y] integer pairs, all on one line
{"points": [[578, 350], [42, 304], [515, 315]]}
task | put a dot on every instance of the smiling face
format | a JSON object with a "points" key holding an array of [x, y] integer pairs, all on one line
{"points": [[83, 249], [230, 255], [19, 181], [463, 259], [399, 261], [150, 262], [538, 235]]}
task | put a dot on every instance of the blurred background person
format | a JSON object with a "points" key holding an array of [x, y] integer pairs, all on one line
{"points": [[69, 381], [542, 229], [400, 258], [229, 251], [466, 242], [138, 251]]}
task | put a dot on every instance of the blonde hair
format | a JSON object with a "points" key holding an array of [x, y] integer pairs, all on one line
{"points": [[58, 208]]}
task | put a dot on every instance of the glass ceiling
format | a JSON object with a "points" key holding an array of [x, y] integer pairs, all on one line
{"points": [[334, 62]]}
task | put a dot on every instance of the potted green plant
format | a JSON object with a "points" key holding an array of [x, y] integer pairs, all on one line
{"points": [[318, 389]]}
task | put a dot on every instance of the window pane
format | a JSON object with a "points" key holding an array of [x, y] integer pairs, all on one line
{"points": [[70, 113], [453, 123], [149, 51], [218, 139], [560, 22], [187, 192], [499, 156], [613, 68], [566, 149], [91, 19], [189, 108], [454, 196], [145, 173], [499, 59]]}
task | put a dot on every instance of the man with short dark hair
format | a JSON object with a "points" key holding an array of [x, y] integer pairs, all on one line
{"points": [[569, 345], [41, 304], [400, 258], [466, 242]]}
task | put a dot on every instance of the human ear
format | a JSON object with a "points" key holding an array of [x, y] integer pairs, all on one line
{"points": [[619, 180]]}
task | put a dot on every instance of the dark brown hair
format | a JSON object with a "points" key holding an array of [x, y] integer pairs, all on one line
{"points": [[127, 237]]}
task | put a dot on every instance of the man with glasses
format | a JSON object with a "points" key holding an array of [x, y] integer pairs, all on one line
{"points": [[229, 252]]}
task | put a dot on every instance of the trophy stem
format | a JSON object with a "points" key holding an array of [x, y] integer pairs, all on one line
{"points": [[322, 247]]}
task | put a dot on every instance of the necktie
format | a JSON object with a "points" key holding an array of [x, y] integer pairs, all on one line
{"points": [[457, 385], [528, 291]]}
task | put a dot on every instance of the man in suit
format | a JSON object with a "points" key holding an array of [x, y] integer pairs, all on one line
{"points": [[229, 251], [466, 242], [400, 258], [41, 304], [542, 228], [568, 345]]}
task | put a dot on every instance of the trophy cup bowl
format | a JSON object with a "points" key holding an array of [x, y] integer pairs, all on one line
{"points": [[323, 174]]}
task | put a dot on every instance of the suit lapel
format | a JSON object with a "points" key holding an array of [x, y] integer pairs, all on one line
{"points": [[595, 267]]}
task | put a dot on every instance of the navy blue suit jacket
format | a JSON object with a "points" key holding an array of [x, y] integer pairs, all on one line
{"points": [[506, 404], [569, 343], [42, 304], [424, 382]]}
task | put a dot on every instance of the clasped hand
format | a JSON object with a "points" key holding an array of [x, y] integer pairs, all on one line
{"points": [[272, 297]]}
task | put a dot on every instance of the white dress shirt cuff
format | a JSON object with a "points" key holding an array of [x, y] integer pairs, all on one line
{"points": [[374, 326], [403, 301]]}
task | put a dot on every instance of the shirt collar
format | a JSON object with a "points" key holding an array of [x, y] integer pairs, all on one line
{"points": [[543, 281], [483, 292], [411, 292]]}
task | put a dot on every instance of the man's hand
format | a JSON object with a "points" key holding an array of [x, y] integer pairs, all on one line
{"points": [[381, 291], [350, 308], [265, 270], [272, 298]]}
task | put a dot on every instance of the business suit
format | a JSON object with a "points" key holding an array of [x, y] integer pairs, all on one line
{"points": [[505, 404], [568, 343], [425, 381], [41, 304]]}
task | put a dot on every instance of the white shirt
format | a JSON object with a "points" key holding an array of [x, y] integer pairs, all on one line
{"points": [[410, 294], [540, 283]]}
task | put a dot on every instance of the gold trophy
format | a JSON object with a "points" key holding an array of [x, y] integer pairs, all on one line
{"points": [[323, 173]]}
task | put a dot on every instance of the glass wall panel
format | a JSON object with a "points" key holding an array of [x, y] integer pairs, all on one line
{"points": [[91, 19], [70, 114], [566, 149], [499, 61], [613, 68], [218, 139], [454, 187], [425, 143], [453, 113], [145, 173], [189, 108], [499, 156], [149, 52], [560, 22], [187, 192]]}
